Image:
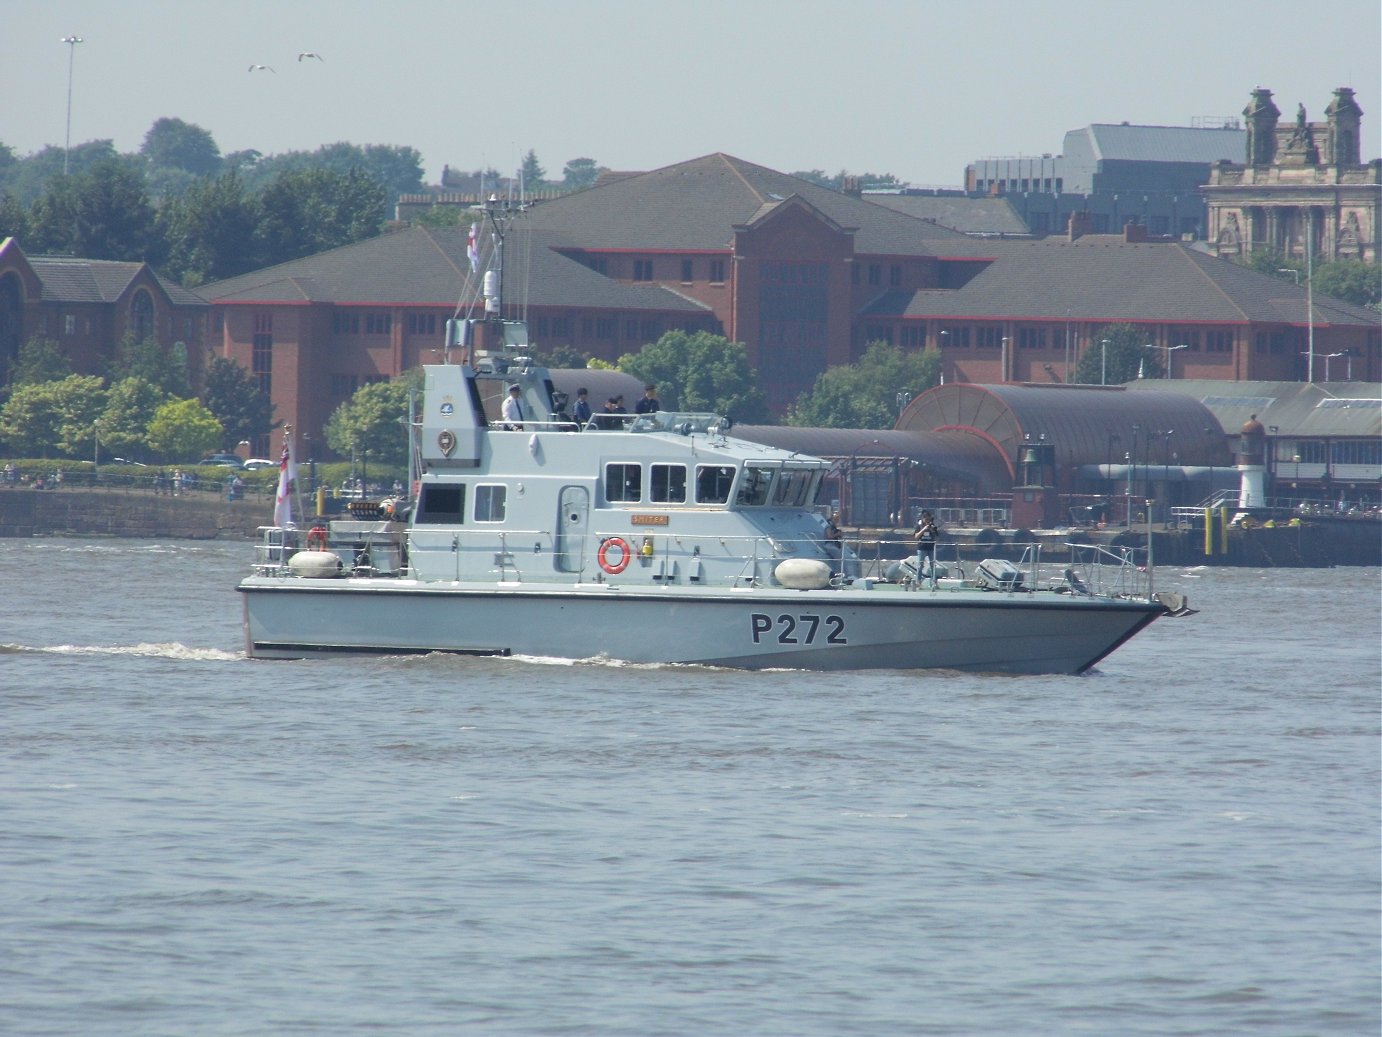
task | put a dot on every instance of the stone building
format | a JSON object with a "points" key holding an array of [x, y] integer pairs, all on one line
{"points": [[1302, 188]]}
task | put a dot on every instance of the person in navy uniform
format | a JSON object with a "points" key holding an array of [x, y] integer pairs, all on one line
{"points": [[582, 408], [926, 536], [650, 403], [513, 409]]}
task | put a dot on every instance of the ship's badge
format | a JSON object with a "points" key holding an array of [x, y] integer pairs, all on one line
{"points": [[448, 406], [446, 442]]}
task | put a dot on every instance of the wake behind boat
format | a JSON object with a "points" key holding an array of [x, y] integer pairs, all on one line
{"points": [[655, 538]]}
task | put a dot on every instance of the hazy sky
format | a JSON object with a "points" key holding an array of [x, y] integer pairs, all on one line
{"points": [[917, 89]]}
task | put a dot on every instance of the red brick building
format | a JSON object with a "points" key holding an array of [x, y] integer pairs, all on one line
{"points": [[88, 306], [804, 276]]}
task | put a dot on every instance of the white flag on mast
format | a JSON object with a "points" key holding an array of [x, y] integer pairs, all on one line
{"points": [[287, 477], [473, 248]]}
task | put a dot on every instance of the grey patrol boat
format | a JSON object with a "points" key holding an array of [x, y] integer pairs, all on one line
{"points": [[655, 538]]}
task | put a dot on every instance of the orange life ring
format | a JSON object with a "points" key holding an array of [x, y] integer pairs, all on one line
{"points": [[625, 555], [316, 538]]}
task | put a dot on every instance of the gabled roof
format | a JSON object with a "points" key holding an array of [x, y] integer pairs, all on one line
{"points": [[72, 280], [1294, 408], [423, 266], [1125, 143], [695, 205], [1110, 280]]}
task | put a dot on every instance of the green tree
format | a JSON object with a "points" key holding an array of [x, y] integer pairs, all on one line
{"points": [[700, 371], [101, 213], [579, 173], [174, 144], [234, 397], [370, 424], [41, 360], [147, 360], [29, 177], [864, 395], [1352, 281], [306, 212], [184, 430], [533, 173], [1127, 357], [130, 405], [211, 231], [14, 218], [561, 356], [47, 419]]}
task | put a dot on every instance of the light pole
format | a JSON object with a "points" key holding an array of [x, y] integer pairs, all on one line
{"points": [[1169, 351], [1103, 362], [96, 451], [1004, 360], [71, 42], [1328, 357]]}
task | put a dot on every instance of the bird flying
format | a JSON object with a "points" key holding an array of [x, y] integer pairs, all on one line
{"points": [[257, 68], [310, 54]]}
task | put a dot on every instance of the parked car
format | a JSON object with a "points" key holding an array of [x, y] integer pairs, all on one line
{"points": [[255, 463], [223, 461]]}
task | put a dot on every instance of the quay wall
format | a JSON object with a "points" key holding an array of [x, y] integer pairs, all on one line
{"points": [[136, 514]]}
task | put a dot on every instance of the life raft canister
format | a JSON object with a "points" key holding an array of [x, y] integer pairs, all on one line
{"points": [[316, 538], [614, 568]]}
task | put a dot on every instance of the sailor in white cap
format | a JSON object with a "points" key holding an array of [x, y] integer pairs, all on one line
{"points": [[513, 409]]}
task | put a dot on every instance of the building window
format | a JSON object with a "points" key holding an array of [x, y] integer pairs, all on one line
{"points": [[598, 263], [422, 324], [344, 385], [895, 276], [631, 330], [875, 274], [142, 316], [717, 271], [343, 323], [262, 352], [605, 327], [587, 327], [686, 271], [561, 327], [69, 324], [1031, 338], [378, 323], [642, 269]]}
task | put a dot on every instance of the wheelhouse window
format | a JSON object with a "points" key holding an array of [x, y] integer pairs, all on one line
{"points": [[793, 488], [623, 482], [490, 503], [754, 486], [713, 482], [668, 484], [440, 505]]}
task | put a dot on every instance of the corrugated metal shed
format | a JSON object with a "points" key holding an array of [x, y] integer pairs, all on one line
{"points": [[1328, 409], [1087, 424]]}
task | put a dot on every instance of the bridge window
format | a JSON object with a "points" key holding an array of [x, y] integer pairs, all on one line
{"points": [[793, 487], [623, 482], [754, 486], [668, 484], [713, 482]]}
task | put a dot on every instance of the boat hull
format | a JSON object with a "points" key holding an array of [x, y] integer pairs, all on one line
{"points": [[881, 628]]}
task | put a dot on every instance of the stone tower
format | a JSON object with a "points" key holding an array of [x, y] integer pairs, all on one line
{"points": [[1261, 116], [1342, 147]]}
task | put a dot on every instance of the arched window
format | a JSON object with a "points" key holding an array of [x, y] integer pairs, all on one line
{"points": [[142, 316]]}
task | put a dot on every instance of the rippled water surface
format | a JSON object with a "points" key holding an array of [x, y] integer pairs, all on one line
{"points": [[1186, 842]]}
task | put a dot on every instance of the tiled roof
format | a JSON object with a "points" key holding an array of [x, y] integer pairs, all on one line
{"points": [[696, 205], [973, 216], [1109, 280], [67, 279], [421, 266]]}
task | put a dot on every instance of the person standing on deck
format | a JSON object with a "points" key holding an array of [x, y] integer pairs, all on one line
{"points": [[926, 536]]}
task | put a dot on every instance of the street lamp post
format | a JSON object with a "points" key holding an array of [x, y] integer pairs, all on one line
{"points": [[1131, 458], [96, 452], [1003, 375], [1103, 362], [71, 42], [1169, 351]]}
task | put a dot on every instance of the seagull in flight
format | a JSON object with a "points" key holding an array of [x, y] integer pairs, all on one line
{"points": [[258, 68], [310, 54]]}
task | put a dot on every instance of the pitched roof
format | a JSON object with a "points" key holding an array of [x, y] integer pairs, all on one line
{"points": [[972, 216], [1107, 279], [73, 280], [695, 205], [424, 266]]}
